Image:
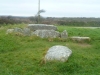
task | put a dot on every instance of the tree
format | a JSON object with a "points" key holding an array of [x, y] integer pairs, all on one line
{"points": [[38, 17]]}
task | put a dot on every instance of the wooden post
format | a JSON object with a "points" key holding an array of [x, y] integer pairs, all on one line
{"points": [[39, 12]]}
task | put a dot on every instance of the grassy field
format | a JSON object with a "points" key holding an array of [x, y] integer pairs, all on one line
{"points": [[20, 55]]}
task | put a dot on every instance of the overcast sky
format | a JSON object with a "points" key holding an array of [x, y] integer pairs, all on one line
{"points": [[53, 8]]}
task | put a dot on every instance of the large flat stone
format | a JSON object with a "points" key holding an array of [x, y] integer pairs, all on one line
{"points": [[34, 27]]}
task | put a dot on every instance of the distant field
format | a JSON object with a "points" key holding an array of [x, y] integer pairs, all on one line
{"points": [[20, 55], [89, 27]]}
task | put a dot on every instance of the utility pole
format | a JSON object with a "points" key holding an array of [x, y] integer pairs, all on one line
{"points": [[38, 11]]}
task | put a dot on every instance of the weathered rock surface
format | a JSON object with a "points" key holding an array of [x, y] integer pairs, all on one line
{"points": [[64, 34], [46, 33], [34, 27], [58, 52], [18, 30], [15, 30], [26, 32]]}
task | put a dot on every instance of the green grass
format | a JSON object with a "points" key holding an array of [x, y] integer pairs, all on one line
{"points": [[20, 55]]}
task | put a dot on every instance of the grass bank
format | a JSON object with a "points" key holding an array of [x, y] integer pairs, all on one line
{"points": [[20, 55]]}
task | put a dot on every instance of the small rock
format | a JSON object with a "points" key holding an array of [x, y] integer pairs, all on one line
{"points": [[9, 31]]}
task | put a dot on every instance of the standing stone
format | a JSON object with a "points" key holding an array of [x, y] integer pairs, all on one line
{"points": [[26, 32], [46, 33], [34, 27], [64, 34], [58, 52]]}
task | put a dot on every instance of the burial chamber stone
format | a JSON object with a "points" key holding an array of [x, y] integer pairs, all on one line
{"points": [[34, 27], [46, 33], [80, 39], [58, 52]]}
